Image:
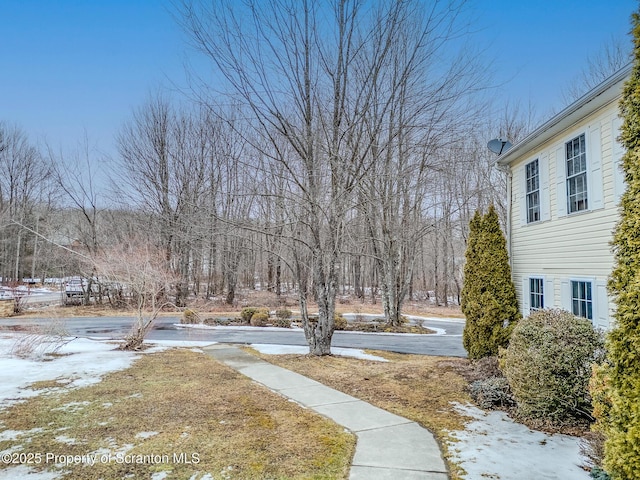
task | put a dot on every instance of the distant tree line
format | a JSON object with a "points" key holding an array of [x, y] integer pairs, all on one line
{"points": [[347, 166]]}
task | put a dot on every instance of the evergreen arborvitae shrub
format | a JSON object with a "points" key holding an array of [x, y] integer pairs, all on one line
{"points": [[618, 406], [548, 365], [488, 296]]}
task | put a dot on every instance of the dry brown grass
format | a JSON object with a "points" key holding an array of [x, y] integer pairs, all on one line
{"points": [[413, 308], [417, 387], [196, 406]]}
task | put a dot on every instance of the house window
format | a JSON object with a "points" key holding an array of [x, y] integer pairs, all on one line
{"points": [[576, 157], [536, 294], [533, 191], [582, 299]]}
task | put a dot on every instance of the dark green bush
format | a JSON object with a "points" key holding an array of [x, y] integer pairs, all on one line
{"points": [[598, 474], [617, 406], [548, 365], [488, 297]]}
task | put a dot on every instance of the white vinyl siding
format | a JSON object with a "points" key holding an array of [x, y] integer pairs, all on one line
{"points": [[596, 192], [617, 151], [545, 208], [562, 246]]}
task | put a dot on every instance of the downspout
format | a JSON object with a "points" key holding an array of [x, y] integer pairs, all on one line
{"points": [[506, 169]]}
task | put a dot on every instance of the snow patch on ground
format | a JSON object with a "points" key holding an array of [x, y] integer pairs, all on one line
{"points": [[299, 350], [494, 446], [24, 472], [65, 439], [83, 360], [78, 363]]}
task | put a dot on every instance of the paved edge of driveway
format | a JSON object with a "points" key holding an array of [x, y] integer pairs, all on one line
{"points": [[388, 446]]}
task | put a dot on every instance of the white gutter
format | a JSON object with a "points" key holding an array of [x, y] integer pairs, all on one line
{"points": [[596, 98]]}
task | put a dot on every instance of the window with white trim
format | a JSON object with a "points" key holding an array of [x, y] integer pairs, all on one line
{"points": [[576, 161], [532, 176], [582, 299], [536, 294]]}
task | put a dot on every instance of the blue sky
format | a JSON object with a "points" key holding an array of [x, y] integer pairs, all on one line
{"points": [[73, 66]]}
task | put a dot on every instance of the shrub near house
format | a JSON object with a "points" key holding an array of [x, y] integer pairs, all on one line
{"points": [[548, 365], [488, 296]]}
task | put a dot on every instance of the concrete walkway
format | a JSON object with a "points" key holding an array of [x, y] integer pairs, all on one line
{"points": [[389, 447]]}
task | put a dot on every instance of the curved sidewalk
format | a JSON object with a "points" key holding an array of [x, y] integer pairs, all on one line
{"points": [[388, 446]]}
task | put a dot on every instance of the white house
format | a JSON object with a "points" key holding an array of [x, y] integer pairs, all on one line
{"points": [[564, 189]]}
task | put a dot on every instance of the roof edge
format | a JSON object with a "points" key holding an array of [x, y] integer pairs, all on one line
{"points": [[568, 115]]}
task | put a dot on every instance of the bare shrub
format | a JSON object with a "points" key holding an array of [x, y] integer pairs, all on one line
{"points": [[592, 447], [359, 318], [491, 392], [487, 367], [144, 276], [282, 322], [216, 321], [42, 341]]}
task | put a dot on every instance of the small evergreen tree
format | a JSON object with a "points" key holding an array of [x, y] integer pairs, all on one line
{"points": [[488, 297], [617, 401]]}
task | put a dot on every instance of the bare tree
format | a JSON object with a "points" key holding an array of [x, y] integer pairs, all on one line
{"points": [[613, 55], [331, 88], [75, 176], [423, 102], [163, 166], [301, 90], [24, 192]]}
